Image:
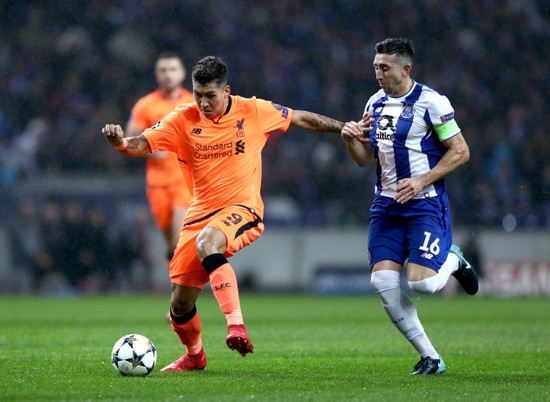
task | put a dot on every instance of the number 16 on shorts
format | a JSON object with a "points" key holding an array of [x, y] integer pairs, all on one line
{"points": [[430, 248]]}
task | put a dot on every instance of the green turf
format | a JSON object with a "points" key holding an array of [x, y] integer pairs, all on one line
{"points": [[307, 348]]}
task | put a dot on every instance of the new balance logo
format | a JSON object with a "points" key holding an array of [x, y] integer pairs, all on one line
{"points": [[427, 255], [239, 147], [196, 131]]}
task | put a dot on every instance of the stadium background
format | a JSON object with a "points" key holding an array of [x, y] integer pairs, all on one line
{"points": [[73, 215]]}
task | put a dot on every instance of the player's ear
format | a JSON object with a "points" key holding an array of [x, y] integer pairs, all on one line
{"points": [[407, 69], [227, 91]]}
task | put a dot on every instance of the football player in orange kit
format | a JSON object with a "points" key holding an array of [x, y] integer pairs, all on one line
{"points": [[220, 139], [168, 192]]}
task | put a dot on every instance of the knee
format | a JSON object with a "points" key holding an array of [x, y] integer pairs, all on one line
{"points": [[384, 280], [202, 246], [427, 285], [210, 240]]}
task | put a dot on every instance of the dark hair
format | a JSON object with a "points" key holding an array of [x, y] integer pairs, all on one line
{"points": [[210, 69], [169, 55], [402, 47]]}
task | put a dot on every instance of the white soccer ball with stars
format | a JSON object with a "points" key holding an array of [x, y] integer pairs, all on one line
{"points": [[134, 355]]}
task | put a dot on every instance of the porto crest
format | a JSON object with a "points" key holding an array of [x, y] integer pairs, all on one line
{"points": [[408, 111]]}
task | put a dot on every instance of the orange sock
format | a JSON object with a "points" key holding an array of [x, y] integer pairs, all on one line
{"points": [[189, 332], [224, 285]]}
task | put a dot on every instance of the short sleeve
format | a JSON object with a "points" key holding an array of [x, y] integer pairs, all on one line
{"points": [[442, 115], [440, 109], [163, 136], [273, 116]]}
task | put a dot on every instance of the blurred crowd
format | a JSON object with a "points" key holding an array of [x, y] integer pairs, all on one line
{"points": [[68, 67], [63, 245]]}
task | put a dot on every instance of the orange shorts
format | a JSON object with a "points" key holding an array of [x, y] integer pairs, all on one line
{"points": [[163, 200], [240, 225]]}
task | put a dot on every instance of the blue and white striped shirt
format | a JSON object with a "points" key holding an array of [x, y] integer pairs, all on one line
{"points": [[404, 139]]}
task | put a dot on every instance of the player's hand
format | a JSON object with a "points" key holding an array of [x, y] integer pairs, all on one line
{"points": [[359, 130], [408, 188], [113, 133], [366, 122], [351, 131], [366, 127]]}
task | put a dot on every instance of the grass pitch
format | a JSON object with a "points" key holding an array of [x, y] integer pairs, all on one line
{"points": [[307, 348]]}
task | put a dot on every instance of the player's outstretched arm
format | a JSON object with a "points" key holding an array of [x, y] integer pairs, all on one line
{"points": [[315, 122], [134, 131], [132, 146]]}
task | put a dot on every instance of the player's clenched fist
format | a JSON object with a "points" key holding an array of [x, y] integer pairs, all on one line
{"points": [[132, 146], [113, 133]]}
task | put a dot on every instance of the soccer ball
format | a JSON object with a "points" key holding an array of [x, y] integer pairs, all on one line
{"points": [[134, 355]]}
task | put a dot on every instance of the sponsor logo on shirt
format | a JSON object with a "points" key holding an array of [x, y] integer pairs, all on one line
{"points": [[216, 151], [284, 109], [196, 131], [239, 147], [385, 129], [447, 117], [384, 136]]}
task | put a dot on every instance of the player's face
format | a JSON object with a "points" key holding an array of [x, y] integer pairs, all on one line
{"points": [[392, 77], [211, 98], [170, 73]]}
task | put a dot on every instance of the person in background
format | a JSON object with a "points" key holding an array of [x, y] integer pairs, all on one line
{"points": [[168, 192]]}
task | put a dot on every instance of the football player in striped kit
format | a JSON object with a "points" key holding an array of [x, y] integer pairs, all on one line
{"points": [[416, 142]]}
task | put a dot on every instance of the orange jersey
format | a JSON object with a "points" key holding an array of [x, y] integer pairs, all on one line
{"points": [[147, 112], [224, 157]]}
